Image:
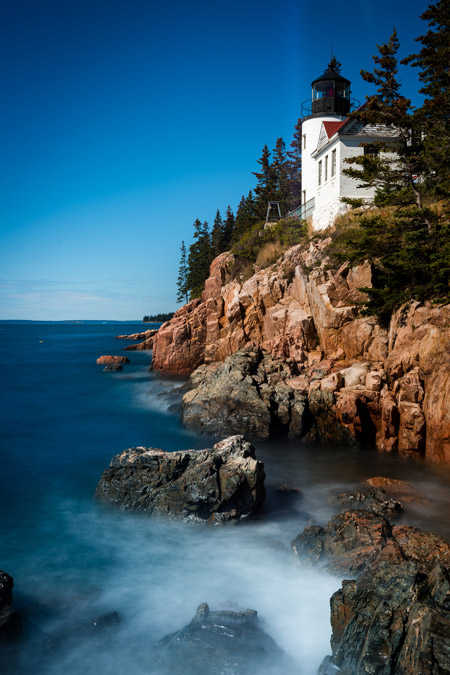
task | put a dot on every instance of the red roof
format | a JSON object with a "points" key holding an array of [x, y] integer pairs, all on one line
{"points": [[332, 127]]}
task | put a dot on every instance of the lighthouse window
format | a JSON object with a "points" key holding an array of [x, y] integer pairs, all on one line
{"points": [[320, 173], [326, 169], [333, 163], [304, 141]]}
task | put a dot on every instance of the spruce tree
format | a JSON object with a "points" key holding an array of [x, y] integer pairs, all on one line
{"points": [[393, 169], [245, 216], [217, 235], [280, 174], [199, 259], [295, 168], [182, 289], [264, 189], [433, 117], [228, 230]]}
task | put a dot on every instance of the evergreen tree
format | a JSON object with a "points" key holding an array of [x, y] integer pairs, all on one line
{"points": [[280, 176], [245, 216], [393, 168], [295, 168], [217, 235], [182, 290], [228, 230], [433, 118], [199, 259], [265, 187]]}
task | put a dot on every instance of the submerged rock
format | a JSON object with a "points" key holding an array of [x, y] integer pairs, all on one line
{"points": [[112, 367], [218, 485], [101, 626], [9, 619], [221, 643]]}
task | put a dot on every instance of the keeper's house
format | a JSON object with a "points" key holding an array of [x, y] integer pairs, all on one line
{"points": [[329, 137]]}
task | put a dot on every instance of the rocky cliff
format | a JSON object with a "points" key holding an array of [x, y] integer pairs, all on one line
{"points": [[348, 378]]}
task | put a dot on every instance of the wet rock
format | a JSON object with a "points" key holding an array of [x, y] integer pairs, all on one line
{"points": [[392, 619], [107, 360], [377, 501], [219, 485], [221, 643], [396, 488]]}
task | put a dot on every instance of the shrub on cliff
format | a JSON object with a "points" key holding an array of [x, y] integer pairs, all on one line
{"points": [[283, 234], [410, 259]]}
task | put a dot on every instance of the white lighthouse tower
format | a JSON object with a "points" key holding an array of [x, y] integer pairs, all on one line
{"points": [[330, 102]]}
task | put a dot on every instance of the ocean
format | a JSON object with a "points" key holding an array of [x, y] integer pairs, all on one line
{"points": [[73, 560]]}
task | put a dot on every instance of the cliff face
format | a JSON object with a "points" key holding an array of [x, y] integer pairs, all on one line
{"points": [[391, 387]]}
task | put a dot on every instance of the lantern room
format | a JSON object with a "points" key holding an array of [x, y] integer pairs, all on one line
{"points": [[331, 92]]}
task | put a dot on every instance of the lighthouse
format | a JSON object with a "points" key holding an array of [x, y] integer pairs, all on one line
{"points": [[330, 138], [330, 102]]}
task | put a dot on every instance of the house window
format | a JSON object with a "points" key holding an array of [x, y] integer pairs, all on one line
{"points": [[333, 163], [304, 141], [370, 149], [326, 169], [319, 181]]}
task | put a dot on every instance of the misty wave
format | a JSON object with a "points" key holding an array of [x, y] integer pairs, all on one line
{"points": [[155, 573]]}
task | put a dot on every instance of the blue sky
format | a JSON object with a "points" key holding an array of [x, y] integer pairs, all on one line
{"points": [[125, 120]]}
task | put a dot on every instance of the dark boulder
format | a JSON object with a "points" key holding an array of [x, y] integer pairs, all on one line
{"points": [[245, 394], [221, 643], [218, 485]]}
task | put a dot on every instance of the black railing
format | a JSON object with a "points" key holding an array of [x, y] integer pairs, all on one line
{"points": [[307, 107]]}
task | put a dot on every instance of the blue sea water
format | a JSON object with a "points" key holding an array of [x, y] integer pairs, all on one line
{"points": [[63, 419]]}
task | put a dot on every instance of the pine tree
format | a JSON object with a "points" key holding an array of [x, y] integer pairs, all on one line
{"points": [[295, 168], [217, 235], [433, 118], [228, 230], [393, 169], [182, 290], [265, 187], [199, 259]]}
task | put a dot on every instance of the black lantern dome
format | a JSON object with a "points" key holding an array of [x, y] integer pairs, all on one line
{"points": [[331, 91]]}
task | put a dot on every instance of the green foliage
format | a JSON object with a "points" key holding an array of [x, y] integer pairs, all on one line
{"points": [[409, 259]]}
